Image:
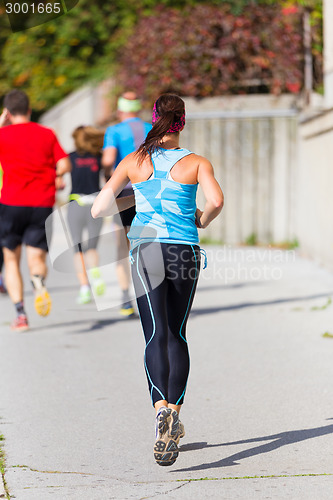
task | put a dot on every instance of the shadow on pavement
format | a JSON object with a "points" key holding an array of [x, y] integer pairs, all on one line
{"points": [[211, 310], [55, 289], [278, 440], [103, 323], [229, 287], [93, 325]]}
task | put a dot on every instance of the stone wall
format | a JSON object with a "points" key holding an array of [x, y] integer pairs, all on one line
{"points": [[315, 188]]}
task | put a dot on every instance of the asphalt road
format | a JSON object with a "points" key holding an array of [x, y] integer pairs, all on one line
{"points": [[76, 414]]}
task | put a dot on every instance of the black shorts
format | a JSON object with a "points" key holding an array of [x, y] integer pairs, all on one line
{"points": [[125, 217], [23, 225]]}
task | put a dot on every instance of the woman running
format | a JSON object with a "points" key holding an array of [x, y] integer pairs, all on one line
{"points": [[165, 255], [85, 174]]}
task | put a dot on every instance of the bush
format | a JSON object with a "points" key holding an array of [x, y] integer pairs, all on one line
{"points": [[207, 50]]}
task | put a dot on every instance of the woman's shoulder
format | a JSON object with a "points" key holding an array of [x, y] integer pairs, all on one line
{"points": [[129, 162], [195, 158], [201, 159], [130, 159]]}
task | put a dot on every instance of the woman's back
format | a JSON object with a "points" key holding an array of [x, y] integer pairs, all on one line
{"points": [[184, 171], [165, 206]]}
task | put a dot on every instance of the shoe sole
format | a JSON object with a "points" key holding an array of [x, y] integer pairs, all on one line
{"points": [[43, 303], [127, 312], [81, 302], [165, 447], [20, 329]]}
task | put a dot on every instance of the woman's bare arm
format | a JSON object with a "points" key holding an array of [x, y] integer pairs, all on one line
{"points": [[212, 192], [106, 203]]}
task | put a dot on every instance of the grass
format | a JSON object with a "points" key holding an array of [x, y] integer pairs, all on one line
{"points": [[327, 335], [2, 466], [286, 245], [322, 308], [253, 477], [316, 308], [210, 241], [252, 241]]}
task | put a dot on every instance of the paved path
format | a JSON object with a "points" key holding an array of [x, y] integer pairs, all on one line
{"points": [[75, 410]]}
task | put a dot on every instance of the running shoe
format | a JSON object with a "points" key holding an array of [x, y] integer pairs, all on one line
{"points": [[84, 297], [176, 427], [98, 284], [180, 432], [20, 324], [43, 301], [167, 426], [127, 309]]}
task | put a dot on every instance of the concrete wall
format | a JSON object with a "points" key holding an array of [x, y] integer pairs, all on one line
{"points": [[252, 142], [87, 106], [315, 188]]}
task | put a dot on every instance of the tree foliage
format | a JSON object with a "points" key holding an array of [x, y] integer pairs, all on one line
{"points": [[207, 50], [197, 47], [51, 60]]}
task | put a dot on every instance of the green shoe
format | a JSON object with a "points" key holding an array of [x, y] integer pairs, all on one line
{"points": [[99, 287], [97, 282], [84, 297]]}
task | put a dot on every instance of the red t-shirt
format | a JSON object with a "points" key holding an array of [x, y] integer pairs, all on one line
{"points": [[28, 156]]}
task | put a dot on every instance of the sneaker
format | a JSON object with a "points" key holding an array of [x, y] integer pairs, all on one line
{"points": [[181, 431], [98, 284], [43, 301], [84, 297], [165, 447], [127, 309], [176, 427], [20, 324]]}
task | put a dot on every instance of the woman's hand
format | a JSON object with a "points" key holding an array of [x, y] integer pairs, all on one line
{"points": [[198, 214]]}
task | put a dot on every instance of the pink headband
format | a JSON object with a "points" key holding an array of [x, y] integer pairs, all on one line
{"points": [[176, 127]]}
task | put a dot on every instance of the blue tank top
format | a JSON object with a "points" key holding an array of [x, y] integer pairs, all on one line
{"points": [[165, 209]]}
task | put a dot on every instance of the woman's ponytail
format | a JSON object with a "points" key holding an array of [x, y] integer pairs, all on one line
{"points": [[168, 118]]}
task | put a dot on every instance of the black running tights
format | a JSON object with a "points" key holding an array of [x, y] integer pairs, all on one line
{"points": [[165, 277]]}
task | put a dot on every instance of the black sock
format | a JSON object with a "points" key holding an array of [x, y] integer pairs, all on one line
{"points": [[126, 297], [19, 306]]}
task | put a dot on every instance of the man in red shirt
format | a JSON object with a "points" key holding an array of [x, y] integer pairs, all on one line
{"points": [[33, 163]]}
